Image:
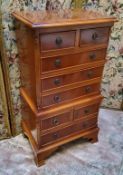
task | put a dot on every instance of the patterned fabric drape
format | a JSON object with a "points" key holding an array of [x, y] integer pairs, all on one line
{"points": [[112, 82]]}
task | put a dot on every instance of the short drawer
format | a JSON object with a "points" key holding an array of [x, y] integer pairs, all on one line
{"points": [[57, 120], [58, 40], [60, 62], [67, 79], [94, 36], [85, 111], [65, 132], [71, 94]]}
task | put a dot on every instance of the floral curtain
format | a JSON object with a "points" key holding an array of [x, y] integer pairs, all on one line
{"points": [[112, 82]]}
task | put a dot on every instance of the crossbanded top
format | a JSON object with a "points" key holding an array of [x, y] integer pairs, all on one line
{"points": [[66, 17]]}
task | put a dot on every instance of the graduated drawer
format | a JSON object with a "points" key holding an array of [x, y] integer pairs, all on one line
{"points": [[65, 132], [59, 40], [60, 62], [70, 94], [85, 111], [61, 80], [57, 120], [94, 36]]}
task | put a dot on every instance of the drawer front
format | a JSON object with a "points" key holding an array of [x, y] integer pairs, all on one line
{"points": [[62, 80], [60, 62], [94, 36], [69, 95], [57, 120], [86, 111], [58, 40], [60, 134]]}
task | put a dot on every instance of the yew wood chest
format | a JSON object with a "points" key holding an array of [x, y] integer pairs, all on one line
{"points": [[62, 55]]}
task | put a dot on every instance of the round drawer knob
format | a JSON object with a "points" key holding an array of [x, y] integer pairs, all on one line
{"points": [[55, 121], [89, 74], [94, 36], [92, 56], [58, 41], [86, 111], [55, 136], [88, 89], [57, 81], [57, 99], [57, 62]]}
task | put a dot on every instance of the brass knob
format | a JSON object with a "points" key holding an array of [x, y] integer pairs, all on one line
{"points": [[90, 74], [55, 136], [94, 36], [86, 111], [57, 62], [58, 41], [57, 81], [92, 56], [55, 121], [57, 98], [88, 89]]}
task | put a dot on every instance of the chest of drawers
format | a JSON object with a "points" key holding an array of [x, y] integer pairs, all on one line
{"points": [[62, 55]]}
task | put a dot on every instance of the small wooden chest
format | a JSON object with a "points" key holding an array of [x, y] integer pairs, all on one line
{"points": [[62, 55]]}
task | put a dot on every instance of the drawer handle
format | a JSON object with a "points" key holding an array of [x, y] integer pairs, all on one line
{"points": [[58, 41], [94, 36], [57, 62], [55, 121], [55, 136], [92, 56], [86, 111], [57, 81], [90, 74], [88, 89], [57, 99]]}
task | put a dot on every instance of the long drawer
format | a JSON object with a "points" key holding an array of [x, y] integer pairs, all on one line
{"points": [[66, 79], [60, 62], [72, 129], [57, 98]]}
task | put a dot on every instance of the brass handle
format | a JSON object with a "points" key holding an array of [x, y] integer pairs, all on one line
{"points": [[94, 36], [89, 74], [57, 99], [57, 62], [86, 111], [55, 121], [92, 56], [58, 41], [88, 89], [57, 81], [55, 136]]}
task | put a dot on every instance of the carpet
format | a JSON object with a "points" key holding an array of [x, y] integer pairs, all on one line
{"points": [[76, 158]]}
